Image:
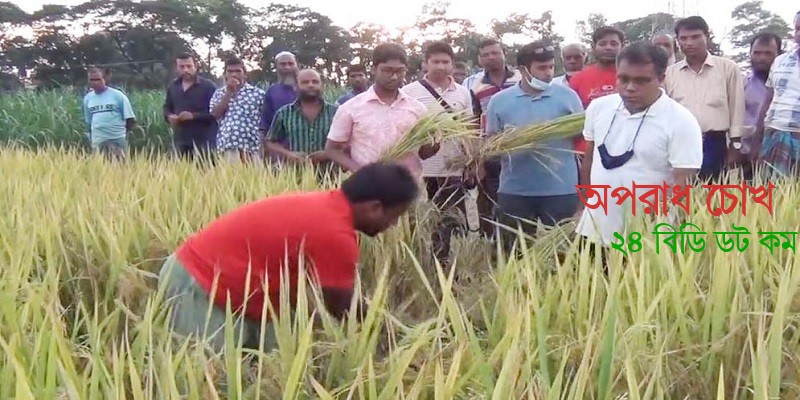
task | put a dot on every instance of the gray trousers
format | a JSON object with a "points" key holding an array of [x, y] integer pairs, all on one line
{"points": [[513, 211], [193, 312]]}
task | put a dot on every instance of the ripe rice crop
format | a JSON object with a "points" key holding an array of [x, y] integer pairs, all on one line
{"points": [[81, 242]]}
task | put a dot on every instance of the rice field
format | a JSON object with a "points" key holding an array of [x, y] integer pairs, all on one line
{"points": [[80, 317]]}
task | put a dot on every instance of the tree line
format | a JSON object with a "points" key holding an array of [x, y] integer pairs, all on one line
{"points": [[138, 40]]}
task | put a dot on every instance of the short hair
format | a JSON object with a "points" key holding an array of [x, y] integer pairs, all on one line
{"points": [[96, 69], [604, 31], [642, 53], [230, 61], [575, 45], [356, 68], [489, 42], [460, 64], [694, 22], [438, 47], [535, 51], [184, 56], [766, 37], [390, 183], [386, 52]]}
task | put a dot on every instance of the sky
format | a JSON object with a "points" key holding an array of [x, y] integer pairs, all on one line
{"points": [[396, 14]]}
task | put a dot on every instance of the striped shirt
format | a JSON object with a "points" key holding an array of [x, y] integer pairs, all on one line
{"points": [[483, 89], [459, 99], [291, 128]]}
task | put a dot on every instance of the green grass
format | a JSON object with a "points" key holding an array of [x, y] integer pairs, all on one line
{"points": [[55, 118]]}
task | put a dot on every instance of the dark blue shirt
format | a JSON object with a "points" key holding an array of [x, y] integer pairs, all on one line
{"points": [[194, 100], [278, 95]]}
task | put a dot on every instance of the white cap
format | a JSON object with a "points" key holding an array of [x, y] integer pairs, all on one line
{"points": [[282, 54]]}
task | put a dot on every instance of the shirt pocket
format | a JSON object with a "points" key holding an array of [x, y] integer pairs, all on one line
{"points": [[716, 96]]}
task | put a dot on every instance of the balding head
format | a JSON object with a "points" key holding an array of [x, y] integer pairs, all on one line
{"points": [[309, 85], [667, 42], [574, 56]]}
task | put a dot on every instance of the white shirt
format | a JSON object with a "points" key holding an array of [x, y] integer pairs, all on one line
{"points": [[459, 99], [784, 79], [561, 80], [670, 137]]}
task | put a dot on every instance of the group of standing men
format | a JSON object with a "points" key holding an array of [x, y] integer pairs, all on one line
{"points": [[648, 119], [741, 120]]}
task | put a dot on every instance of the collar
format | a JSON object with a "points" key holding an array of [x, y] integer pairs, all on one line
{"points": [[372, 96], [654, 110], [710, 61], [450, 87], [296, 103], [522, 93], [751, 77], [509, 74], [282, 85], [246, 86], [179, 79]]}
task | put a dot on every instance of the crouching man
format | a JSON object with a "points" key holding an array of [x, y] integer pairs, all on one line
{"points": [[253, 245]]}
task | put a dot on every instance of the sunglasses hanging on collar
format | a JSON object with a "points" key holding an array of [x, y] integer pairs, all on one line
{"points": [[612, 162]]}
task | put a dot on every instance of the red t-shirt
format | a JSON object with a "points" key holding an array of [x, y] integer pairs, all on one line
{"points": [[591, 83], [270, 233]]}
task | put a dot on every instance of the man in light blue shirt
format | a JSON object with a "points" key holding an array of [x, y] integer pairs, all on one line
{"points": [[534, 185], [109, 114]]}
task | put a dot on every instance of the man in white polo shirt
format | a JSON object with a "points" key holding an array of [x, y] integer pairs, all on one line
{"points": [[439, 92], [638, 135]]}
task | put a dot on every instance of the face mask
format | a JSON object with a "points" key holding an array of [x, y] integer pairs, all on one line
{"points": [[612, 162], [538, 84]]}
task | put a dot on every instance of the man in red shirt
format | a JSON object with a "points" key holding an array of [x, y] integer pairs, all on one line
{"points": [[262, 243], [599, 79]]}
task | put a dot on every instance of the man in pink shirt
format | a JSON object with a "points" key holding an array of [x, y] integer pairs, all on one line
{"points": [[376, 119]]}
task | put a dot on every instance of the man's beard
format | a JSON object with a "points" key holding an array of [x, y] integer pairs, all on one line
{"points": [[309, 97], [760, 73], [287, 79]]}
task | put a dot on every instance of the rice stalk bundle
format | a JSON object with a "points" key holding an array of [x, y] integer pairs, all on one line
{"points": [[532, 137], [431, 129]]}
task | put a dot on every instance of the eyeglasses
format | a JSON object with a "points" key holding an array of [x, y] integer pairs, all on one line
{"points": [[541, 50]]}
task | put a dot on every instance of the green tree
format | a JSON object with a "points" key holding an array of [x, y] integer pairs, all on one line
{"points": [[364, 37], [311, 36], [642, 29], [587, 27], [519, 29], [751, 18], [433, 24], [15, 53]]}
